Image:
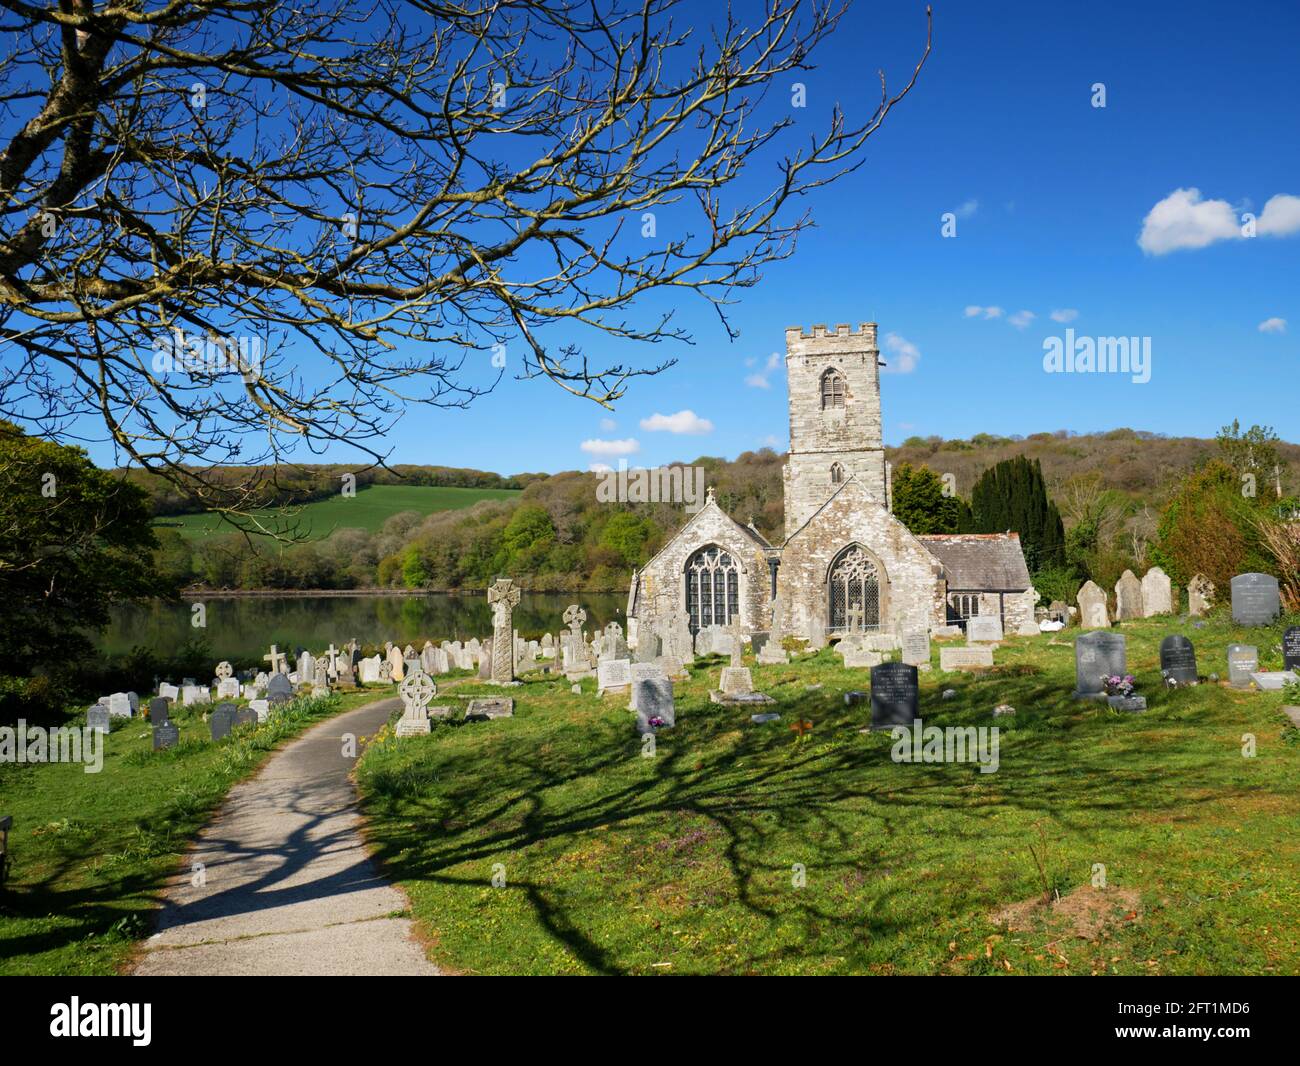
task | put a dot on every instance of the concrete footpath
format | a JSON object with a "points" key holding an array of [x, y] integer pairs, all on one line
{"points": [[287, 888]]}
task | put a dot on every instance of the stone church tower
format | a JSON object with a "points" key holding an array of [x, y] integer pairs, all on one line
{"points": [[835, 432]]}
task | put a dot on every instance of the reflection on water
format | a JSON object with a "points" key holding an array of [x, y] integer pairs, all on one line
{"points": [[244, 627]]}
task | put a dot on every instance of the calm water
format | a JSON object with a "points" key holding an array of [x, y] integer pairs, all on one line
{"points": [[244, 627]]}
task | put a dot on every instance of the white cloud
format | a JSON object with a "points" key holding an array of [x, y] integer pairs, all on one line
{"points": [[758, 380], [610, 447], [974, 310], [1183, 220], [600, 468], [608, 425], [681, 422], [1280, 217], [1021, 319], [967, 209], [770, 441], [905, 354], [1273, 325], [1064, 314]]}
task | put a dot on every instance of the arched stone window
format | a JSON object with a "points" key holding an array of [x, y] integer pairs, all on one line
{"points": [[853, 585], [834, 389], [837, 474], [712, 588]]}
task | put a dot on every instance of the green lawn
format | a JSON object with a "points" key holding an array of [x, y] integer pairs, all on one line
{"points": [[92, 851], [684, 862], [369, 509]]}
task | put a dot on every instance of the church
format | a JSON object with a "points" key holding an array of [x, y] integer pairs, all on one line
{"points": [[845, 561]]}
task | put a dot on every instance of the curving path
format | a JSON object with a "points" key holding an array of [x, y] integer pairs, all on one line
{"points": [[290, 889]]}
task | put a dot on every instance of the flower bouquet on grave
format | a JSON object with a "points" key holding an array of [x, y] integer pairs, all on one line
{"points": [[657, 721], [1119, 685]]}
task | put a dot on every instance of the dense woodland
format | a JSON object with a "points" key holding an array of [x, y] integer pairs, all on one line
{"points": [[1087, 507]]}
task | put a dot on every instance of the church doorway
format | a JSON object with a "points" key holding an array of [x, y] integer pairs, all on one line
{"points": [[853, 590]]}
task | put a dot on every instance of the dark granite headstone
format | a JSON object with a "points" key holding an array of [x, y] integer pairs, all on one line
{"points": [[1255, 599], [894, 695], [1291, 649], [97, 718], [245, 716], [221, 720], [1177, 661], [159, 710], [165, 736], [1096, 656], [279, 688]]}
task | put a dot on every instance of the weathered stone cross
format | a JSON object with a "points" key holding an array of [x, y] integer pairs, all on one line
{"points": [[504, 597], [737, 641], [276, 658], [855, 618], [333, 653]]}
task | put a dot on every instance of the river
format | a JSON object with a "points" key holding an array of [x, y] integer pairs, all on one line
{"points": [[244, 627]]}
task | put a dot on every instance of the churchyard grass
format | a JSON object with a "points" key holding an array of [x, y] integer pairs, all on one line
{"points": [[92, 851], [687, 862], [369, 510]]}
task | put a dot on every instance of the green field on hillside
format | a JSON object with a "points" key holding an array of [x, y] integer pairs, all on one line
{"points": [[369, 509]]}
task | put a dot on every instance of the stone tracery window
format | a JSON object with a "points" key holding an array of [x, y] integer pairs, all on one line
{"points": [[834, 389], [854, 583], [837, 474], [712, 588]]}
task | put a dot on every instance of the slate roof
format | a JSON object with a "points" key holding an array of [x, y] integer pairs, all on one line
{"points": [[988, 562]]}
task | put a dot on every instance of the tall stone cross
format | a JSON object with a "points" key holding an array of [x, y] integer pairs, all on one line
{"points": [[504, 597], [277, 659], [333, 653], [855, 618], [737, 641], [575, 657]]}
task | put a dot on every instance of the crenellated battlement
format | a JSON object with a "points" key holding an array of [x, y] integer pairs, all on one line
{"points": [[866, 331]]}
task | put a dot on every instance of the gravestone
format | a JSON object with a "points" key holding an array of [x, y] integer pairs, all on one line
{"points": [[1273, 680], [221, 720], [165, 736], [612, 645], [279, 688], [119, 705], [159, 710], [1243, 660], [1177, 661], [504, 597], [1096, 657], [417, 691], [1092, 607], [385, 672], [228, 688], [279, 662], [225, 670], [321, 681], [1291, 649], [983, 629], [654, 702], [576, 663], [1157, 593], [1128, 597], [396, 665], [1058, 611], [894, 695], [192, 694], [976, 657], [648, 645], [1200, 595], [641, 672], [168, 691], [492, 707], [97, 718], [485, 658], [262, 708], [369, 670], [1255, 599], [306, 668], [613, 675], [736, 681], [916, 648], [816, 633], [245, 716]]}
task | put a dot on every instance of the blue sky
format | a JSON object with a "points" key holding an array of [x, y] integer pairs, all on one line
{"points": [[1051, 195]]}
